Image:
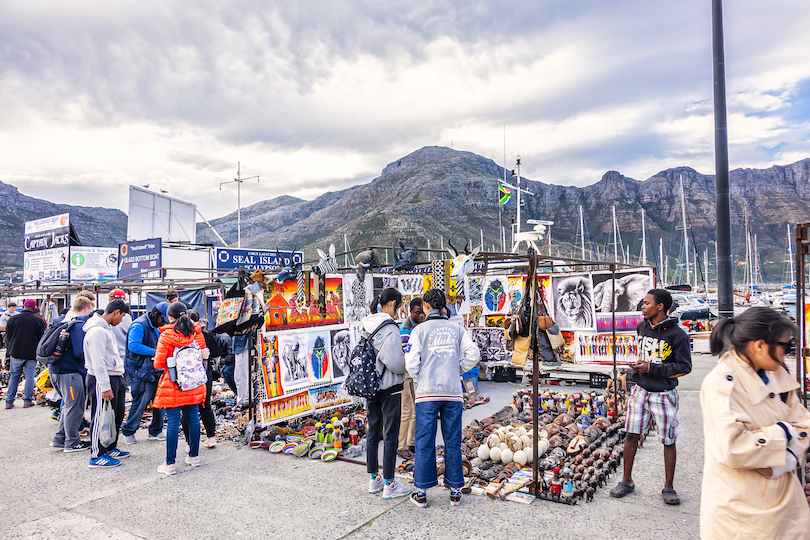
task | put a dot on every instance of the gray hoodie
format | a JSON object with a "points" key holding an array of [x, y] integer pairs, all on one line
{"points": [[388, 346], [438, 352], [101, 358]]}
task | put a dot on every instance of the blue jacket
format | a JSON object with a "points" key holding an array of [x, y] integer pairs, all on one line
{"points": [[142, 339], [73, 358]]}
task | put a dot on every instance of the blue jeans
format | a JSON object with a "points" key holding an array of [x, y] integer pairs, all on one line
{"points": [[18, 368], [424, 470], [227, 373], [142, 393], [192, 415]]}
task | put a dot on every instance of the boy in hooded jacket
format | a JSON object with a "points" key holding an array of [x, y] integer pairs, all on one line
{"points": [[105, 380], [384, 409], [664, 355]]}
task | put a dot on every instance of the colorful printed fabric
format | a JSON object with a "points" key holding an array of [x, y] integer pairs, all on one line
{"points": [[230, 310]]}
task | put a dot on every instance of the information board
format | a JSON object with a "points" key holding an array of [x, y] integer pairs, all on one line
{"points": [[255, 259], [94, 264], [137, 257]]}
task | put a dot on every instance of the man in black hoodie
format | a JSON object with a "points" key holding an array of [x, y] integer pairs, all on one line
{"points": [[22, 335], [664, 355]]}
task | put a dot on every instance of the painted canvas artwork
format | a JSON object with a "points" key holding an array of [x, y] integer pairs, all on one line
{"points": [[599, 348], [492, 344], [283, 312], [340, 340], [495, 295], [411, 285], [357, 297], [319, 351], [515, 291], [329, 396], [626, 291], [281, 408], [573, 302], [474, 318], [271, 365], [475, 285], [624, 321], [293, 351]]}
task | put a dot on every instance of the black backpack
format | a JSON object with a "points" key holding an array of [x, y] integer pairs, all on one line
{"points": [[54, 342], [363, 379]]}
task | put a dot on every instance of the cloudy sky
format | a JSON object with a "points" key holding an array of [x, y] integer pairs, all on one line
{"points": [[318, 96]]}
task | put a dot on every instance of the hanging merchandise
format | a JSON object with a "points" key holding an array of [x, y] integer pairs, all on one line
{"points": [[438, 273], [230, 310]]}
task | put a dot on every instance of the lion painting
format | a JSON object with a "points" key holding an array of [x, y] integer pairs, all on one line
{"points": [[573, 303]]}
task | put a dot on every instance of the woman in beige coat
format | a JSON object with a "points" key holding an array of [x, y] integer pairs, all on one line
{"points": [[756, 430]]}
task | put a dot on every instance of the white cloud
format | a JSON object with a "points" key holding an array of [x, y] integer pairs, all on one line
{"points": [[314, 97]]}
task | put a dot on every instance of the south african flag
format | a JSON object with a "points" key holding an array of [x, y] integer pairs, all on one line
{"points": [[505, 193]]}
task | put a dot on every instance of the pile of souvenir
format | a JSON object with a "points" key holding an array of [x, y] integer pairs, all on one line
{"points": [[325, 436], [807, 476], [579, 445]]}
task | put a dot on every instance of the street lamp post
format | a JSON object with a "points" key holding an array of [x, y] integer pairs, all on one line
{"points": [[239, 181]]}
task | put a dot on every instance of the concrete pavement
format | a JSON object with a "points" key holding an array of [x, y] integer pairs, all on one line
{"points": [[244, 493]]}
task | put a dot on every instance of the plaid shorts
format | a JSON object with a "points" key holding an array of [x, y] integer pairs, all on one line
{"points": [[642, 406]]}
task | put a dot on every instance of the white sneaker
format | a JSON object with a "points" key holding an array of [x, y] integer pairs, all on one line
{"points": [[193, 461], [210, 442], [159, 437], [130, 439], [376, 484], [395, 489], [167, 469]]}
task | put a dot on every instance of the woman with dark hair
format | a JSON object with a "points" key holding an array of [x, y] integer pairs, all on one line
{"points": [[214, 343], [756, 431], [180, 332], [384, 409]]}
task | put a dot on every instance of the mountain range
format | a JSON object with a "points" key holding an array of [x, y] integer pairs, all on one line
{"points": [[438, 194]]}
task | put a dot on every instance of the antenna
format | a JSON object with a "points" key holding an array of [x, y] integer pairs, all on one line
{"points": [[238, 181]]}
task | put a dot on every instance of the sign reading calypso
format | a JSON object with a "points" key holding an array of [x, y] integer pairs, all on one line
{"points": [[256, 259], [47, 233]]}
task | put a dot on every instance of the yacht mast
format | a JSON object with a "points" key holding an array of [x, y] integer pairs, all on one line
{"points": [[790, 256], [661, 261], [615, 239], [643, 239], [685, 236], [582, 232]]}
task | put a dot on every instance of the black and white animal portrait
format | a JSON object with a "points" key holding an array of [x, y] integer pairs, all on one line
{"points": [[573, 302], [293, 354], [628, 294], [341, 350], [491, 342]]}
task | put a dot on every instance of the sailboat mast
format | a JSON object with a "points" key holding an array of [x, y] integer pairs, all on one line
{"points": [[790, 256], [518, 193], [582, 231], [685, 236], [661, 261], [643, 240], [615, 239]]}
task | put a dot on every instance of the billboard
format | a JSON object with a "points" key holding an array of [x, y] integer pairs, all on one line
{"points": [[137, 257], [45, 264], [153, 215], [255, 259], [95, 264], [47, 233]]}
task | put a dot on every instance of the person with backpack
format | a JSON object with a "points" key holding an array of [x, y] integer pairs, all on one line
{"points": [[438, 352], [105, 382], [384, 407], [23, 332], [142, 339], [217, 346], [68, 375], [180, 350]]}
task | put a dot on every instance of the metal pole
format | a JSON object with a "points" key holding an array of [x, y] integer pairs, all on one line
{"points": [[801, 350], [518, 193], [613, 326], [535, 369], [239, 204], [725, 280]]}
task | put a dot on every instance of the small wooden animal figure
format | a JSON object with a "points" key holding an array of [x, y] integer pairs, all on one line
{"points": [[589, 494]]}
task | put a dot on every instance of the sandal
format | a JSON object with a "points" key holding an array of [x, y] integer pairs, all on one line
{"points": [[669, 496], [621, 490]]}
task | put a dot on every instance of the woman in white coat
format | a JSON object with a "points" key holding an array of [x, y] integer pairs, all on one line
{"points": [[756, 431]]}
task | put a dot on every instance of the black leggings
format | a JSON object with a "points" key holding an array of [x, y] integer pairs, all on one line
{"points": [[206, 412], [383, 423]]}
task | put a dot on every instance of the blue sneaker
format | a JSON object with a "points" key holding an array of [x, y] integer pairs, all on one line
{"points": [[104, 461], [117, 454]]}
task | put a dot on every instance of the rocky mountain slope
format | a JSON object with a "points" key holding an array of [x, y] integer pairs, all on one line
{"points": [[100, 227], [437, 192]]}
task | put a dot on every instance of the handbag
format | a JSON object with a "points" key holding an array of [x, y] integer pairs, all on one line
{"points": [[556, 340], [520, 351]]}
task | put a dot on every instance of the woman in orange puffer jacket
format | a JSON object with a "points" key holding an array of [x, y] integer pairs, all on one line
{"points": [[182, 332]]}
